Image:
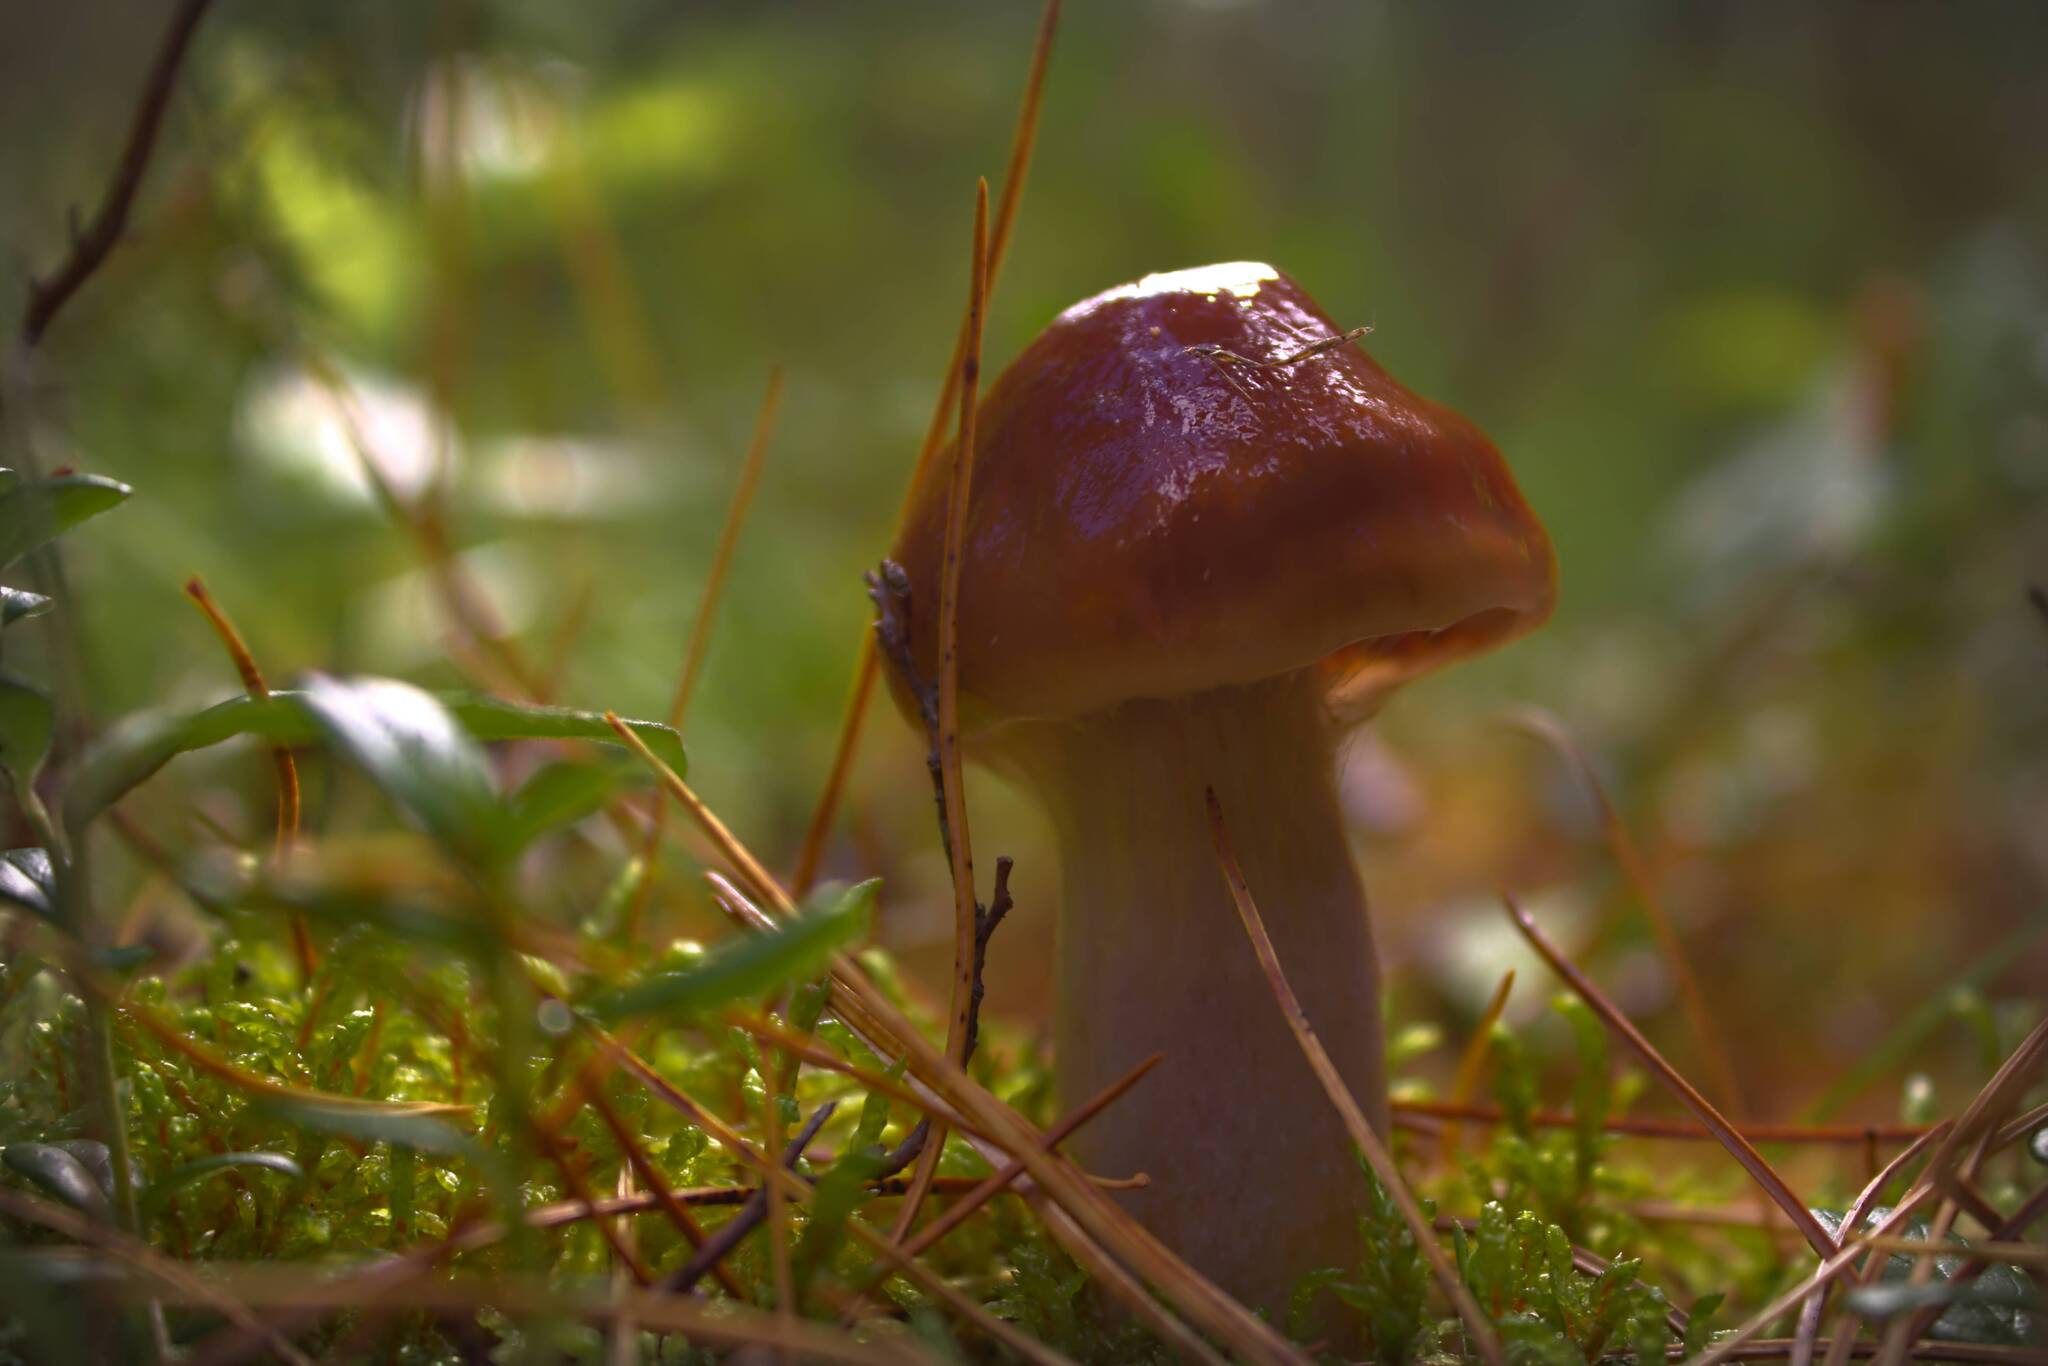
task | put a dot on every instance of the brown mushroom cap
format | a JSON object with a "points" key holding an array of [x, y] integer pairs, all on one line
{"points": [[1149, 522]]}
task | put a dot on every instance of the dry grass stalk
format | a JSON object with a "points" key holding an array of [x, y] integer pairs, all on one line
{"points": [[952, 782], [1636, 870], [1479, 1331], [1617, 1023], [867, 666]]}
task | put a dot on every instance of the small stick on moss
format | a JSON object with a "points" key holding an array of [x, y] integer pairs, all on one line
{"points": [[700, 629], [1472, 1060], [281, 756], [1479, 1331], [720, 1245], [1688, 1095], [867, 664], [960, 849], [1636, 871]]}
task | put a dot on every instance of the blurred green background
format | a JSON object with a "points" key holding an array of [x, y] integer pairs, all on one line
{"points": [[1755, 298]]}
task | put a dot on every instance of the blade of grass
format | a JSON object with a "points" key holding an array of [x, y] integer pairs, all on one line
{"points": [[959, 845], [700, 629], [1479, 1331], [867, 666], [1688, 1095], [1636, 871], [281, 756]]}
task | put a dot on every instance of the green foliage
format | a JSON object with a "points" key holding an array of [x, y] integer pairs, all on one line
{"points": [[795, 950]]}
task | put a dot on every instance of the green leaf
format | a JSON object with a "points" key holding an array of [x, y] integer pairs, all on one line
{"points": [[563, 793], [27, 881], [34, 513], [795, 950], [140, 745], [176, 1179], [19, 605], [493, 718], [26, 722], [412, 747], [58, 1172]]}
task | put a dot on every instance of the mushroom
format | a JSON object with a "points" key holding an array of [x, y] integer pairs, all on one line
{"points": [[1206, 536]]}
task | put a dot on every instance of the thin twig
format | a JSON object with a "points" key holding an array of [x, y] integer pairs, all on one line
{"points": [[90, 247], [1023, 139], [1478, 1329], [734, 1231], [1738, 1147]]}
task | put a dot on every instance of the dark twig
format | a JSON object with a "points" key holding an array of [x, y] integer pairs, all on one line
{"points": [[2038, 596], [986, 918], [889, 589], [734, 1231], [90, 246]]}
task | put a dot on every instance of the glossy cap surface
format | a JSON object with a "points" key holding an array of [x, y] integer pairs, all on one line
{"points": [[1146, 521]]}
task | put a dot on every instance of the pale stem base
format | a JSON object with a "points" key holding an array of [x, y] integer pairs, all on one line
{"points": [[1253, 1178]]}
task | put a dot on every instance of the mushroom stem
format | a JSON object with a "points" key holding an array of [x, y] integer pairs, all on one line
{"points": [[1253, 1177]]}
